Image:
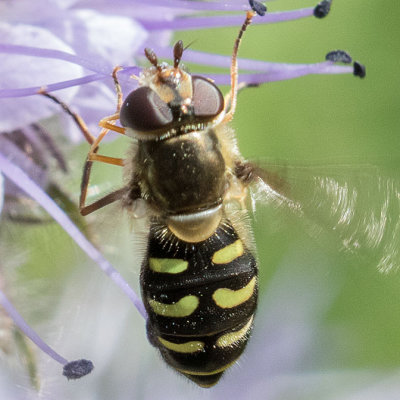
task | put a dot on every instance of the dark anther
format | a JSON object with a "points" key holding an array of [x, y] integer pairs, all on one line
{"points": [[339, 56], [178, 51], [359, 70], [151, 56], [78, 368], [258, 7], [322, 9]]}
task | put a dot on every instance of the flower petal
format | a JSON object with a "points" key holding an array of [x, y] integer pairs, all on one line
{"points": [[1, 192], [109, 38], [19, 72]]}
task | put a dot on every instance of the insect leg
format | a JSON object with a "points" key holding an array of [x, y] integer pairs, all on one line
{"points": [[240, 87], [92, 155], [117, 87], [234, 67], [92, 140], [76, 117], [105, 159], [104, 201], [107, 122], [108, 199]]}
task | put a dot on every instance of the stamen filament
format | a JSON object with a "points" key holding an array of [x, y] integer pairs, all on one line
{"points": [[189, 5], [260, 78], [28, 331], [22, 180], [51, 87], [53, 54], [189, 23]]}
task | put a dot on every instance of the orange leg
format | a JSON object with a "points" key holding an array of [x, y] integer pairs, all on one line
{"points": [[232, 97], [240, 87], [105, 159], [117, 87], [77, 119], [107, 125]]}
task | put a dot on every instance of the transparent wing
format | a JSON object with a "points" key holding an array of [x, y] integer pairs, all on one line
{"points": [[358, 206]]}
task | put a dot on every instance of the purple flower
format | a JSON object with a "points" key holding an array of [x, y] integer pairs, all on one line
{"points": [[74, 45], [1, 192], [68, 44]]}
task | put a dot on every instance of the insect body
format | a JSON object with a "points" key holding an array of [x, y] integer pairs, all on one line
{"points": [[199, 278], [199, 275]]}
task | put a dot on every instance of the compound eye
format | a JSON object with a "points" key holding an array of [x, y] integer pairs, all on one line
{"points": [[143, 110], [207, 99]]}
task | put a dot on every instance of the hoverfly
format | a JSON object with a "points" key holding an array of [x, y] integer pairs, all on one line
{"points": [[199, 275]]}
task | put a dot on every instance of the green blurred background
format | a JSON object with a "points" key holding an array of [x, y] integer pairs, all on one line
{"points": [[314, 118], [335, 118]]}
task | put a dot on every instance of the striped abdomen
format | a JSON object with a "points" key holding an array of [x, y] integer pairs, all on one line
{"points": [[200, 298]]}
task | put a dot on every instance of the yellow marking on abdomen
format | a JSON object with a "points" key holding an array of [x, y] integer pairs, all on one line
{"points": [[228, 298], [228, 253], [234, 338], [188, 347], [182, 308], [168, 265]]}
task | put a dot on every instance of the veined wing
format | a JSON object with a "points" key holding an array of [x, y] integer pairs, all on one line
{"points": [[359, 205]]}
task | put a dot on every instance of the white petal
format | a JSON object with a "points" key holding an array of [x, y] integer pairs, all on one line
{"points": [[113, 38], [22, 71]]}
